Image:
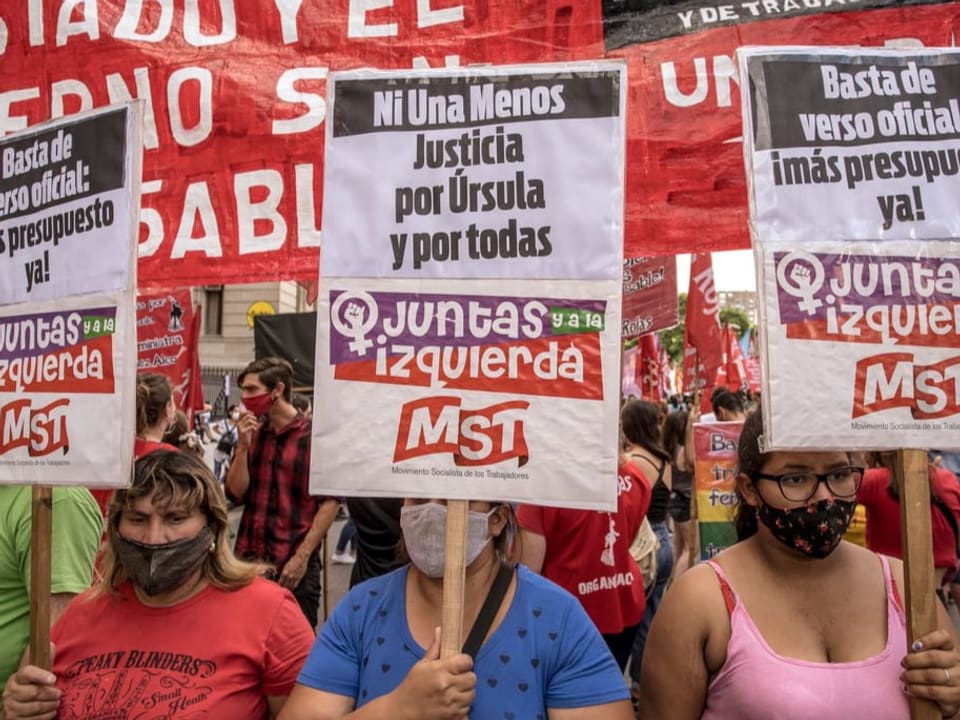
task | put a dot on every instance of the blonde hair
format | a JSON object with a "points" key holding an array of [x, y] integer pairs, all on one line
{"points": [[177, 479]]}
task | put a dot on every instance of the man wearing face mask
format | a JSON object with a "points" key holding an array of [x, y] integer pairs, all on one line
{"points": [[792, 622], [157, 635], [529, 649], [281, 523]]}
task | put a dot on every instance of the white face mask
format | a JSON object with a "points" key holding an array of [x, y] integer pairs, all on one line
{"points": [[424, 529], [235, 415]]}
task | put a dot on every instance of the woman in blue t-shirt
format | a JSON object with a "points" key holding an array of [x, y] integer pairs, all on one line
{"points": [[379, 653]]}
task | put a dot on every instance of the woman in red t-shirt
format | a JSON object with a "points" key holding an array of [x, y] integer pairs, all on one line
{"points": [[880, 497]]}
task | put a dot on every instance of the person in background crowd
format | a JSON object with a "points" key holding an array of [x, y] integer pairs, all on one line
{"points": [[180, 436], [77, 523], [270, 475], [227, 433], [791, 622], [176, 626], [155, 413], [377, 521], [727, 406], [379, 653], [587, 553], [347, 539], [642, 432], [674, 442], [880, 496], [302, 403]]}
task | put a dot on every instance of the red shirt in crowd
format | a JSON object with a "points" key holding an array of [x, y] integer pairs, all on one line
{"points": [[883, 516], [588, 552]]}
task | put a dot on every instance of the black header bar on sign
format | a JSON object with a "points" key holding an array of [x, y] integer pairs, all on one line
{"points": [[631, 22], [842, 100], [415, 104], [58, 165]]}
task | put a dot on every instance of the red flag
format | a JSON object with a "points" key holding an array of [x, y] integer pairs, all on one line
{"points": [[666, 375], [193, 401], [701, 336], [648, 368], [734, 368]]}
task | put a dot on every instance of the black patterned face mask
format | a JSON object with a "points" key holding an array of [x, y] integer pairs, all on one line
{"points": [[814, 530]]}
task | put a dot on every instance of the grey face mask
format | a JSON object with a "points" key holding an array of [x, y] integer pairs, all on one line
{"points": [[424, 529], [158, 568]]}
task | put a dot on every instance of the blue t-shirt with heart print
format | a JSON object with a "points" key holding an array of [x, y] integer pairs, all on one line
{"points": [[545, 654]]}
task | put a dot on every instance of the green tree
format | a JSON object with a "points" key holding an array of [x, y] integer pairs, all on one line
{"points": [[672, 338], [737, 319]]}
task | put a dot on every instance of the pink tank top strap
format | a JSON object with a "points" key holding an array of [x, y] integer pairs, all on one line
{"points": [[729, 597], [893, 592]]}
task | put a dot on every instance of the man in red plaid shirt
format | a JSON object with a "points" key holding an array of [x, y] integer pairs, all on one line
{"points": [[281, 523]]}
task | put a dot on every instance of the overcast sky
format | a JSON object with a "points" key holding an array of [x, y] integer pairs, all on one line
{"points": [[732, 270]]}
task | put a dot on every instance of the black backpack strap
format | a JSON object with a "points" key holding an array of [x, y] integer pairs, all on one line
{"points": [[489, 610]]}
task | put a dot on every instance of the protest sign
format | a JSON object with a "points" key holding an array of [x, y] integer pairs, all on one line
{"points": [[855, 169], [66, 208], [234, 99], [167, 343], [649, 294], [67, 326], [469, 319], [715, 477]]}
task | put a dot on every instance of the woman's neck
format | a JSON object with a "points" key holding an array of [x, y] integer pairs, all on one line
{"points": [[153, 433], [480, 575]]}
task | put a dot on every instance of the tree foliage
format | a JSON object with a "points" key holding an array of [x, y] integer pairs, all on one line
{"points": [[672, 338]]}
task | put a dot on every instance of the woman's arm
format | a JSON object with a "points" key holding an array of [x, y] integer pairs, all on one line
{"points": [[620, 710], [932, 665], [434, 689], [673, 683]]}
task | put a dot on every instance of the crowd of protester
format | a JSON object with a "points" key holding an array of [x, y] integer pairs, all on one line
{"points": [[563, 616]]}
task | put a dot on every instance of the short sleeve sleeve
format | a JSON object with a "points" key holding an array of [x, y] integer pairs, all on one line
{"points": [[530, 518], [287, 647], [77, 527], [334, 662], [583, 672]]}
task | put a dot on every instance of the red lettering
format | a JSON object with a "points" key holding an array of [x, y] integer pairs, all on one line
{"points": [[41, 430], [892, 380], [483, 436]]}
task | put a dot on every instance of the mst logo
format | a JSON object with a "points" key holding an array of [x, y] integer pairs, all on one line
{"points": [[41, 430], [482, 436], [892, 380]]}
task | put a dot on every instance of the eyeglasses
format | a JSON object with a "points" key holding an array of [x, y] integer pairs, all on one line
{"points": [[843, 482]]}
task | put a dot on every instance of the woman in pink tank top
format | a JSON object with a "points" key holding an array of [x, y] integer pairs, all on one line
{"points": [[792, 623]]}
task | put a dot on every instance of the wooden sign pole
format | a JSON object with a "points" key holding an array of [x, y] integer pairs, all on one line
{"points": [[921, 604], [325, 578], [454, 578], [40, 546]]}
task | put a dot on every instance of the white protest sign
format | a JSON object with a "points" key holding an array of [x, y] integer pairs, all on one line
{"points": [[67, 206], [853, 164], [68, 233], [468, 342]]}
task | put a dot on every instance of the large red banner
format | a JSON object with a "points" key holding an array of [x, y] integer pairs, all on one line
{"points": [[234, 95]]}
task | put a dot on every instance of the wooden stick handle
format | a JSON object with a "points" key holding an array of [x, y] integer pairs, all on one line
{"points": [[912, 474], [41, 538], [454, 578]]}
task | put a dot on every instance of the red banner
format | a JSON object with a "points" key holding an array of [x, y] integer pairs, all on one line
{"points": [[234, 94], [649, 295], [168, 338], [702, 352]]}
